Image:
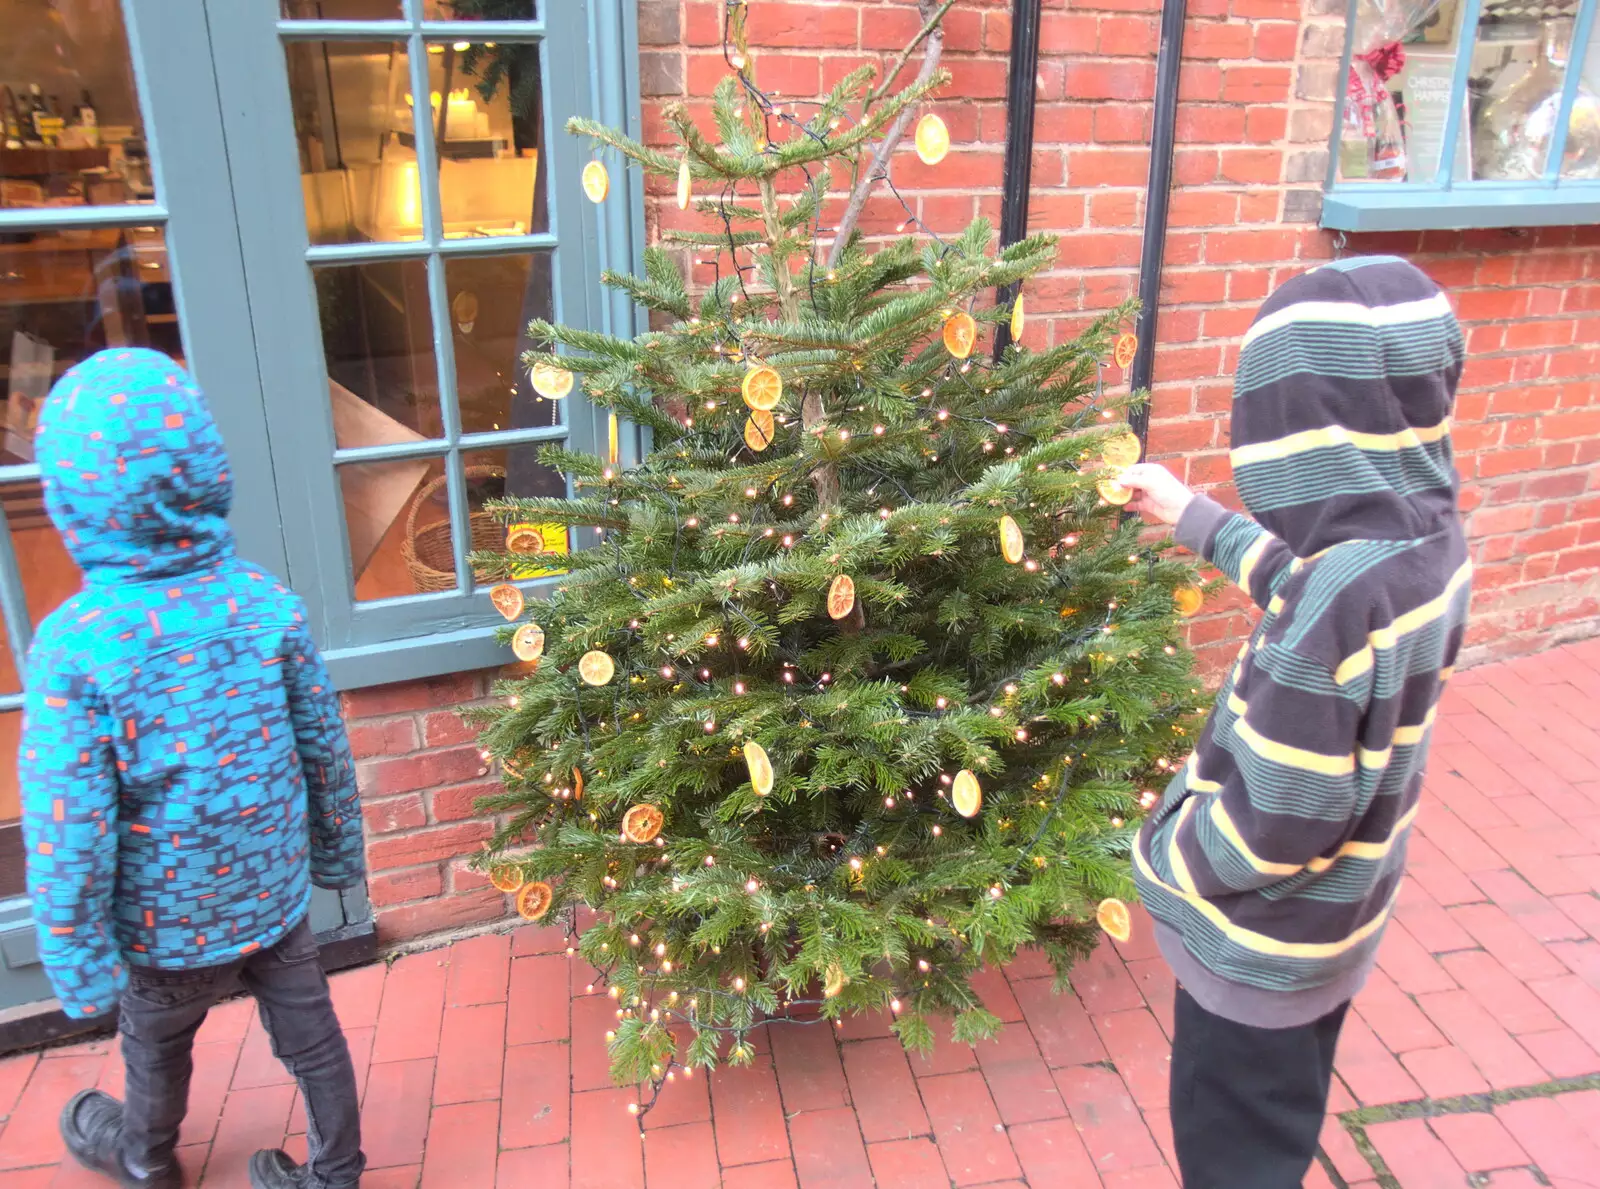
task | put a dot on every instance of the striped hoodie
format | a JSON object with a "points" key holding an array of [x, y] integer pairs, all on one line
{"points": [[1273, 861]]}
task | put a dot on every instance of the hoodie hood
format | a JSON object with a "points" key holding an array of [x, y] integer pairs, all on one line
{"points": [[1341, 406], [134, 470]]}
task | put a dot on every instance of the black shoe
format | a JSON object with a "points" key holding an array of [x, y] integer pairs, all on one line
{"points": [[91, 1125], [271, 1168]]}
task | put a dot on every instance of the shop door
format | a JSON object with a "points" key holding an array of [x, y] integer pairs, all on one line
{"points": [[116, 228], [408, 203]]}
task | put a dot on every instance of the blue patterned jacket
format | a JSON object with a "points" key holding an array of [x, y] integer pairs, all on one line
{"points": [[185, 772]]}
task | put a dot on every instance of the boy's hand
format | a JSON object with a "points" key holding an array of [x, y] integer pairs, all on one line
{"points": [[1157, 492]]}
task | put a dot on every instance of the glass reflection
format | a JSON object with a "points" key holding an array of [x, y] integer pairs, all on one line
{"points": [[486, 103], [378, 342], [70, 127], [492, 300], [480, 10]]}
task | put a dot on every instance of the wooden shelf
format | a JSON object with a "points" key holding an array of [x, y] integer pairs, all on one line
{"points": [[41, 163]]}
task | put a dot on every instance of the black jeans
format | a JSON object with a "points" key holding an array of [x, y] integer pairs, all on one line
{"points": [[162, 1010], [1248, 1103]]}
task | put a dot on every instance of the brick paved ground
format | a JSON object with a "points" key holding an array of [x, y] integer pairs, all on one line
{"points": [[1470, 1060]]}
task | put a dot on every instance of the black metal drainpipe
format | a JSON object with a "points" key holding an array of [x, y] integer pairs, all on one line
{"points": [[1158, 193], [1020, 90]]}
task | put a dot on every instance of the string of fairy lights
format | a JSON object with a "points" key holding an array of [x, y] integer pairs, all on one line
{"points": [[684, 667]]}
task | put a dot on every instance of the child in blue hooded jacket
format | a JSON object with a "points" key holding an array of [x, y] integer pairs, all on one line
{"points": [[185, 777]]}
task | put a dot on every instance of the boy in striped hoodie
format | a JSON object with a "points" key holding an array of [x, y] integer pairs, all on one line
{"points": [[1272, 863]]}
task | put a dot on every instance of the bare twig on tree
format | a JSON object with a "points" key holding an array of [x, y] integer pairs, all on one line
{"points": [[932, 32]]}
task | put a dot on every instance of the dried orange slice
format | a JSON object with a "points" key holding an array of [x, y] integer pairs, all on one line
{"points": [[685, 185], [506, 877], [1114, 919], [596, 181], [507, 600], [642, 823], [1113, 492], [1127, 347], [841, 597], [836, 981], [762, 387], [932, 139], [1120, 451], [1012, 545], [760, 767], [1018, 316], [528, 643], [960, 334], [550, 380], [758, 430], [966, 794], [1188, 600], [596, 668], [533, 900], [524, 540]]}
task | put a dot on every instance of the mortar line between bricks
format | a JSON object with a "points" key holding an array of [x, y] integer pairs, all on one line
{"points": [[233, 1070], [1369, 1153], [1357, 1121], [1465, 1104], [1332, 1173]]}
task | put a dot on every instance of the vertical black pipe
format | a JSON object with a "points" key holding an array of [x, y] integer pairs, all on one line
{"points": [[1158, 192], [1020, 89]]}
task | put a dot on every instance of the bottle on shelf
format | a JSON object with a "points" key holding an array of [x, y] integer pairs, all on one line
{"points": [[88, 120], [12, 117], [36, 116]]}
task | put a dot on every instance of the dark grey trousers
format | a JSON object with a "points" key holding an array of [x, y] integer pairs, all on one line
{"points": [[1248, 1103], [163, 1009]]}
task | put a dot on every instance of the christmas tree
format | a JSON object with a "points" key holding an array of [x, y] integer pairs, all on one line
{"points": [[859, 679]]}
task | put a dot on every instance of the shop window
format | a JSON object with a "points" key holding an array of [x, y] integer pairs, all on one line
{"points": [[1466, 113]]}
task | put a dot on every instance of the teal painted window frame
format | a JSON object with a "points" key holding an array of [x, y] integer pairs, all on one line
{"points": [[589, 60], [1447, 203]]}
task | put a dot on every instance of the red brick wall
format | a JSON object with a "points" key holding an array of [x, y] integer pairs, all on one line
{"points": [[1255, 109], [1256, 106], [420, 772]]}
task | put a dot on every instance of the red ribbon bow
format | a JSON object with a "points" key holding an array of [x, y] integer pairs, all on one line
{"points": [[1384, 62]]}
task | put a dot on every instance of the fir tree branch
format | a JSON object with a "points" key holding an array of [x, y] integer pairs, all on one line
{"points": [[932, 30], [930, 25]]}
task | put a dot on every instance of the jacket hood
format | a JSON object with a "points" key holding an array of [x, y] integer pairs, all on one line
{"points": [[134, 471], [1341, 406]]}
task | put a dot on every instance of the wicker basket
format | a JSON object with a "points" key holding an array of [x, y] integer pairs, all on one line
{"points": [[427, 550]]}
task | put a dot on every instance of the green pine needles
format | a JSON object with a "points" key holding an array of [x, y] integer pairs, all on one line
{"points": [[1058, 679]]}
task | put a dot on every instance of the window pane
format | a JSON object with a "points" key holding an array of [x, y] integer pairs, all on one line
{"points": [[378, 340], [516, 471], [488, 118], [49, 575], [1519, 68], [63, 296], [340, 10], [1582, 156], [1397, 92], [352, 117], [396, 516], [480, 10], [71, 126], [492, 300]]}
